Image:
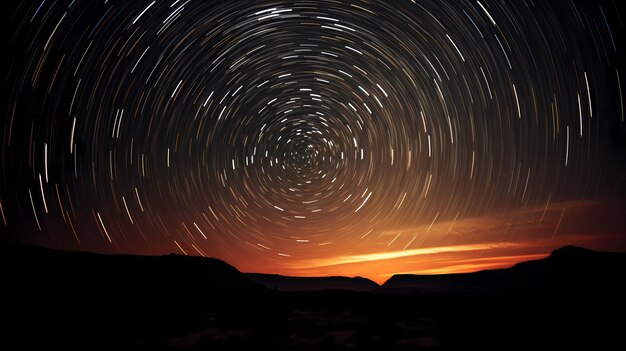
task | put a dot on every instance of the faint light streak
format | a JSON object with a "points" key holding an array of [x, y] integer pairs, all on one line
{"points": [[621, 98], [364, 201], [519, 111], [127, 211], [138, 199], [4, 219], [142, 12], [394, 239], [567, 147], [588, 96], [558, 224], [199, 230], [580, 115], [180, 248], [45, 160], [456, 47], [45, 47], [486, 12], [32, 204], [72, 135], [432, 223], [43, 195], [176, 89], [103, 227]]}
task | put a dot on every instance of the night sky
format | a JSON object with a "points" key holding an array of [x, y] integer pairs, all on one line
{"points": [[316, 137]]}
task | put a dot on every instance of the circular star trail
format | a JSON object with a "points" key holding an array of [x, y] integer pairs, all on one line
{"points": [[270, 131]]}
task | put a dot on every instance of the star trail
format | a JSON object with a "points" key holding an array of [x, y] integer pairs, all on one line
{"points": [[306, 136]]}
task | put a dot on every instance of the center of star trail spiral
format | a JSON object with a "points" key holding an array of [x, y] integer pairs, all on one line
{"points": [[283, 129]]}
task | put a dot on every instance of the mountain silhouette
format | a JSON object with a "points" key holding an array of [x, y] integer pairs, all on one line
{"points": [[75, 300], [565, 270], [76, 297], [286, 283]]}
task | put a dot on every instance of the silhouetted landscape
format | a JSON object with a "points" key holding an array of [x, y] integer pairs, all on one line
{"points": [[91, 301], [284, 283]]}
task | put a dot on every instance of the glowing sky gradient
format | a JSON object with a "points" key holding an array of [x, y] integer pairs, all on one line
{"points": [[316, 137]]}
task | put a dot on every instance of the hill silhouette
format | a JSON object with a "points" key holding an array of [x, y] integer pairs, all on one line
{"points": [[78, 298], [74, 300], [286, 283], [565, 270]]}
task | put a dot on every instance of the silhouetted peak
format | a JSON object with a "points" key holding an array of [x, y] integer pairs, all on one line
{"points": [[401, 280], [204, 275], [401, 277], [569, 252]]}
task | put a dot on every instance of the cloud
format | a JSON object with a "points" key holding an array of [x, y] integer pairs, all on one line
{"points": [[389, 255]]}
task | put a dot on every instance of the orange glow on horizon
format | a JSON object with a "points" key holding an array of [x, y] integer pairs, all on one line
{"points": [[462, 245]]}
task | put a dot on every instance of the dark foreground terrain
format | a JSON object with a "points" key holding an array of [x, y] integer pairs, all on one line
{"points": [[73, 300]]}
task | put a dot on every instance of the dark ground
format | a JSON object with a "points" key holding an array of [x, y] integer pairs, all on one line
{"points": [[574, 298]]}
